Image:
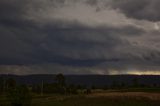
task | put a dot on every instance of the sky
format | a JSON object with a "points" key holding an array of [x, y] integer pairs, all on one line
{"points": [[80, 37]]}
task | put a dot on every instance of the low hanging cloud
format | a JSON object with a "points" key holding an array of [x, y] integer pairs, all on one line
{"points": [[78, 37]]}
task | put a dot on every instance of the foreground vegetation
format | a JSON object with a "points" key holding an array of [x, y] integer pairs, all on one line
{"points": [[61, 94], [95, 99]]}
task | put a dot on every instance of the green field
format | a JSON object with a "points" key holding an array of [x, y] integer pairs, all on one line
{"points": [[95, 99]]}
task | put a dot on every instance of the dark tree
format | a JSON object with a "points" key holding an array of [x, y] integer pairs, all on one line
{"points": [[88, 91], [135, 82], [19, 96], [61, 85], [10, 83], [60, 79], [1, 85]]}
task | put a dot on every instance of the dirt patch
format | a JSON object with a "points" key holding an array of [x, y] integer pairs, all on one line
{"points": [[137, 95]]}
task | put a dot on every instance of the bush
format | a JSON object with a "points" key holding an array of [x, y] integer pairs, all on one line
{"points": [[19, 96], [87, 91]]}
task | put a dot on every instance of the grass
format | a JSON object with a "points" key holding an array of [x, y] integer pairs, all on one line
{"points": [[156, 90], [95, 99]]}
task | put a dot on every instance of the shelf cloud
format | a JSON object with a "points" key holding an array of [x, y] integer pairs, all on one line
{"points": [[79, 36]]}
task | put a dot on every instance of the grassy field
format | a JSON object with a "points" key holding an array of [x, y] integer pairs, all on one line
{"points": [[96, 99], [100, 98]]}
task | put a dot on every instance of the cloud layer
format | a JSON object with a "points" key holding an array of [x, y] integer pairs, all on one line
{"points": [[139, 9], [79, 36]]}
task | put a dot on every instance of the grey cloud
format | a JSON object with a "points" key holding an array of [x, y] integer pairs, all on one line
{"points": [[92, 2], [70, 45], [44, 44], [139, 9]]}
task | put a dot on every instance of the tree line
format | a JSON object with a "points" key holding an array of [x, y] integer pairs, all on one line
{"points": [[21, 95]]}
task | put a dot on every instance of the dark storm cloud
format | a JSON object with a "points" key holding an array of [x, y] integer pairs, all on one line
{"points": [[30, 36], [12, 10], [28, 45], [139, 9]]}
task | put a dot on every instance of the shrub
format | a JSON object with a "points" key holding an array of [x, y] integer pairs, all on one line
{"points": [[19, 96]]}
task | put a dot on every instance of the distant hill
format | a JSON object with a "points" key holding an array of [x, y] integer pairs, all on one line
{"points": [[88, 80]]}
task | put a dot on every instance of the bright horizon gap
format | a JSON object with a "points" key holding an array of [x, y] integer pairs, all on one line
{"points": [[140, 73]]}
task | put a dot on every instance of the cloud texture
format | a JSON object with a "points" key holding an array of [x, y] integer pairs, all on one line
{"points": [[79, 36]]}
